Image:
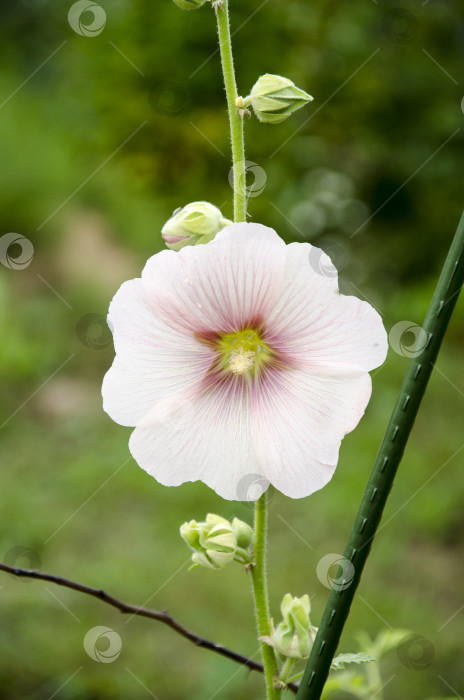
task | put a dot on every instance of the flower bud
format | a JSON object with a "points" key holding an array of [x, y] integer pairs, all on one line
{"points": [[244, 535], [190, 534], [274, 98], [295, 635], [218, 534], [197, 222], [211, 559], [214, 541], [189, 4]]}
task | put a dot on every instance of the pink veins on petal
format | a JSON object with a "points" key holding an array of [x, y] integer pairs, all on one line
{"points": [[239, 358]]}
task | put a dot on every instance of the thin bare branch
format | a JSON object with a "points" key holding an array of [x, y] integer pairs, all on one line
{"points": [[159, 615]]}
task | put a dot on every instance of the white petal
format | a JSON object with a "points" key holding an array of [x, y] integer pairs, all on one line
{"points": [[229, 433], [219, 286], [204, 436], [152, 360], [299, 421], [318, 328]]}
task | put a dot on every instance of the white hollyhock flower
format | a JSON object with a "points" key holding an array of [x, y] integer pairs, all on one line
{"points": [[237, 360]]}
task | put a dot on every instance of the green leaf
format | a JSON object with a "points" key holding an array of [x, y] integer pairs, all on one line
{"points": [[388, 640], [384, 642], [342, 660]]}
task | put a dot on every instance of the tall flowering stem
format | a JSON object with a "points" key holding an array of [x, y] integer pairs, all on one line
{"points": [[236, 121], [391, 451], [259, 571], [259, 575]]}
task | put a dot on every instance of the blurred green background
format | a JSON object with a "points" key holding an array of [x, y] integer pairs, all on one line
{"points": [[102, 136]]}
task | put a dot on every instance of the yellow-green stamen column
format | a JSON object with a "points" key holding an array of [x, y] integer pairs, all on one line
{"points": [[235, 120], [244, 352]]}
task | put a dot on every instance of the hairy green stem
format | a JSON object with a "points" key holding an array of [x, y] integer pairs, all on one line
{"points": [[235, 120], [287, 668], [383, 473], [259, 576]]}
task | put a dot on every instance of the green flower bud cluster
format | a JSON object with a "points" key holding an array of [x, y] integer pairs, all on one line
{"points": [[295, 635], [274, 98], [216, 542], [196, 223]]}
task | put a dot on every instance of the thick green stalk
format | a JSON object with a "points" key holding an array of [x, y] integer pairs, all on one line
{"points": [[391, 450], [259, 576], [236, 121]]}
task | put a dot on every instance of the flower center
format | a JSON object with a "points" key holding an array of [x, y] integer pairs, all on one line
{"points": [[244, 352]]}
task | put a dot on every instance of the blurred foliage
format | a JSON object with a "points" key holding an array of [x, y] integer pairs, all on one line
{"points": [[386, 121], [102, 138]]}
